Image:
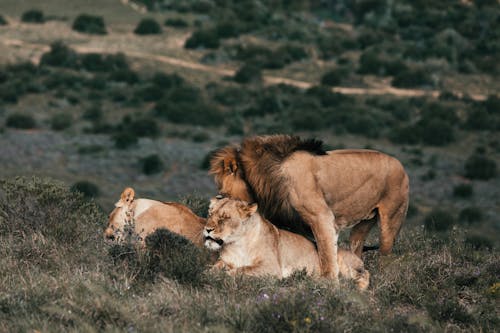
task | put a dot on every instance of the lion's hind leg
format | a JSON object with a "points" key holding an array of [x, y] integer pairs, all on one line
{"points": [[392, 213], [359, 233]]}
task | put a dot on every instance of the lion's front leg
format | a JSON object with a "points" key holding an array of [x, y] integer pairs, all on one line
{"points": [[316, 213]]}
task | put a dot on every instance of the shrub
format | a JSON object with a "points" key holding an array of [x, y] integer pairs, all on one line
{"points": [[87, 188], [436, 132], [439, 220], [60, 121], [470, 215], [148, 26], [478, 242], [151, 164], [175, 257], [94, 113], [3, 21], [124, 75], [412, 78], [203, 38], [248, 73], [176, 23], [332, 77], [90, 24], [124, 140], [463, 191], [198, 204], [33, 16], [21, 121], [60, 55], [141, 127], [480, 167], [166, 81], [95, 62]]}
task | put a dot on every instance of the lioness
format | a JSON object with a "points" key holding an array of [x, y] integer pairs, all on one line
{"points": [[143, 216], [296, 181], [250, 244]]}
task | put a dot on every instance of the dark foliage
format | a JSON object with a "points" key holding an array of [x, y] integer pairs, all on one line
{"points": [[60, 55], [148, 26], [151, 164], [87, 188], [176, 23], [20, 121], [90, 24], [206, 38], [247, 74], [470, 215], [61, 121], [3, 21], [480, 167], [439, 220], [463, 191], [33, 16]]}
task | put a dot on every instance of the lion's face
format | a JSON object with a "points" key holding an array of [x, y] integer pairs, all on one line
{"points": [[117, 222], [226, 221], [119, 219]]}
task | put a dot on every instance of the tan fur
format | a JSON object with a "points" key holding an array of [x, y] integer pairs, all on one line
{"points": [[146, 216], [299, 186], [252, 245]]}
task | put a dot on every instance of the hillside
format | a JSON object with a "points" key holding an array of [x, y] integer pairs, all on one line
{"points": [[100, 102]]}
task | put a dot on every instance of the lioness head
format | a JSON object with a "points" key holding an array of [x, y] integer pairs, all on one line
{"points": [[226, 221], [120, 217], [229, 175]]}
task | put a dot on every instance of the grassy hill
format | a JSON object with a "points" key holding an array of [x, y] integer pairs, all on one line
{"points": [[98, 107]]}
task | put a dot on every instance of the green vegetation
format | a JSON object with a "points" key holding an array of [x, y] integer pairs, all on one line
{"points": [[471, 215], [463, 191], [60, 233], [60, 121], [439, 220], [247, 74], [480, 167], [33, 16], [86, 188], [20, 121], [176, 23], [148, 26], [90, 24], [151, 164], [3, 21]]}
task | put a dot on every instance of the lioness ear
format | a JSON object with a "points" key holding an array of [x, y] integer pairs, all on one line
{"points": [[247, 209], [126, 198], [252, 208]]}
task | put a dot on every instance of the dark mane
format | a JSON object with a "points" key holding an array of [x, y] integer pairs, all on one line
{"points": [[261, 158]]}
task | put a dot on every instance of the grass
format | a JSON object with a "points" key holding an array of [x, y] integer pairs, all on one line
{"points": [[59, 275]]}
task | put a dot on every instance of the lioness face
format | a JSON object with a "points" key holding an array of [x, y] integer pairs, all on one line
{"points": [[226, 221], [116, 224]]}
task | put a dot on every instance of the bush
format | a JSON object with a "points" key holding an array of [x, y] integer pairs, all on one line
{"points": [[463, 191], [33, 16], [124, 75], [20, 121], [248, 73], [478, 242], [480, 167], [96, 62], [60, 55], [175, 257], [470, 215], [87, 188], [3, 21], [94, 113], [436, 132], [412, 78], [151, 164], [332, 78], [90, 24], [176, 23], [203, 38], [60, 121], [124, 140], [439, 220], [148, 26]]}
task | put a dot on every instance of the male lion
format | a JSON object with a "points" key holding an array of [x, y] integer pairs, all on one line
{"points": [[250, 244], [141, 217], [295, 181]]}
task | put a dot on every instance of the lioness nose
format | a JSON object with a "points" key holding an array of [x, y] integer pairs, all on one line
{"points": [[109, 234], [209, 229]]}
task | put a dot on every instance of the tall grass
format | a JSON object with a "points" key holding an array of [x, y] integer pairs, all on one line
{"points": [[58, 275]]}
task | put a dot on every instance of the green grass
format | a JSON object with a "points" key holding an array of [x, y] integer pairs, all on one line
{"points": [[58, 275]]}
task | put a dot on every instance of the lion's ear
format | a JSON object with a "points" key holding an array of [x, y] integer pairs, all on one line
{"points": [[126, 198], [230, 165], [248, 209]]}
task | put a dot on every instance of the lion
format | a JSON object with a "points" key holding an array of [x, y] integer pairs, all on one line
{"points": [[250, 244], [140, 217], [300, 186]]}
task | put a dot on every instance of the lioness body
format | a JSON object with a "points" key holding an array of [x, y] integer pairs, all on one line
{"points": [[250, 244], [294, 182], [145, 216]]}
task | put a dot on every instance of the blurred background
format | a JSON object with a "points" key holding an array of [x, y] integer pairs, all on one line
{"points": [[105, 94]]}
